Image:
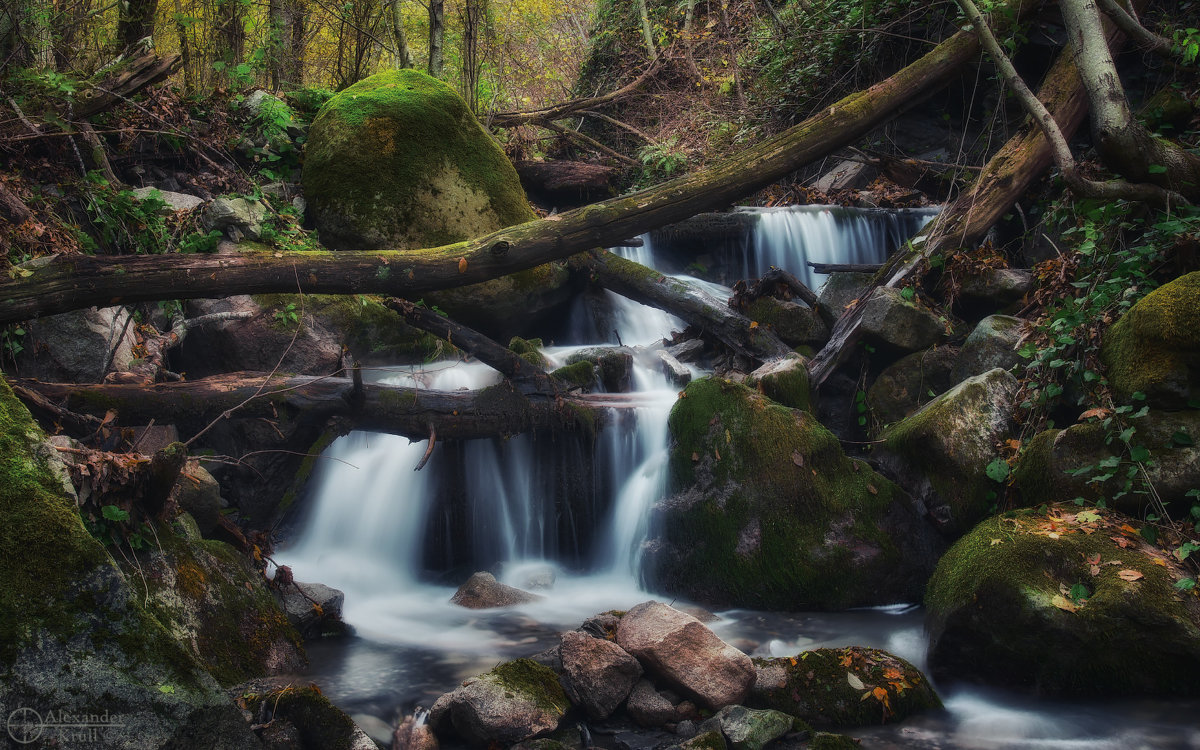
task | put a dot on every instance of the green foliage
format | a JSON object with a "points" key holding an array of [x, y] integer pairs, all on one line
{"points": [[1187, 44], [661, 160], [287, 315], [121, 222]]}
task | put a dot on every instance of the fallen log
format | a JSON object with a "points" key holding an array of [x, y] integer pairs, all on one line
{"points": [[498, 411], [844, 267], [70, 282], [1004, 179], [713, 316], [129, 76]]}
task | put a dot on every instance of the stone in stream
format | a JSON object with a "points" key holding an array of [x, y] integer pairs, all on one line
{"points": [[483, 591], [679, 650], [597, 674], [751, 729], [648, 707], [516, 701]]}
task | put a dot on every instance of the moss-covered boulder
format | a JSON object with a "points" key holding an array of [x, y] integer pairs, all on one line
{"points": [[784, 381], [767, 511], [1070, 601], [843, 687], [214, 603], [910, 382], [993, 343], [398, 160], [897, 324], [794, 324], [516, 701], [951, 440], [74, 636], [301, 717], [1085, 461], [1155, 347]]}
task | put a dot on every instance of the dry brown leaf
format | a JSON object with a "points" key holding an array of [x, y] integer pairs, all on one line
{"points": [[1063, 603], [1130, 575]]}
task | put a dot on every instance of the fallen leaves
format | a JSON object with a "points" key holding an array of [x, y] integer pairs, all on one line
{"points": [[1064, 603], [854, 681], [1130, 575]]}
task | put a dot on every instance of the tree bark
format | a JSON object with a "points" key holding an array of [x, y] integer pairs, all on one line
{"points": [[131, 76], [713, 316], [136, 21], [463, 415], [402, 57], [437, 37], [647, 32], [1004, 179], [71, 282]]}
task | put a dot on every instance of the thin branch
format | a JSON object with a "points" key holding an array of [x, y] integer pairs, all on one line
{"points": [[1141, 36]]}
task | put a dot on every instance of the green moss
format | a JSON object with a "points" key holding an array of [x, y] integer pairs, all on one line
{"points": [[995, 608], [786, 384], [581, 374], [712, 740], [533, 681], [776, 507], [320, 723], [814, 687], [314, 454], [1154, 347], [401, 157]]}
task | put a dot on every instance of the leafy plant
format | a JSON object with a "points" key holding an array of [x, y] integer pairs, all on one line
{"points": [[287, 315]]}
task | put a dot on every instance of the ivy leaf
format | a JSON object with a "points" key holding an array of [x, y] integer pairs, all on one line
{"points": [[997, 470], [1156, 169], [113, 513]]}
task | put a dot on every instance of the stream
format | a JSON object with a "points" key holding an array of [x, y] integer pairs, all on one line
{"points": [[566, 518]]}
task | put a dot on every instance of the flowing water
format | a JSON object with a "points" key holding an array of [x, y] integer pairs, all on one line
{"points": [[567, 516]]}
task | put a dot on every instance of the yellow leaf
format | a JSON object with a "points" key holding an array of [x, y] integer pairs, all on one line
{"points": [[1063, 603], [753, 324]]}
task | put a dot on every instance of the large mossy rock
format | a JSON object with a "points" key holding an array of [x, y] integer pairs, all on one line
{"points": [[1070, 601], [843, 687], [1155, 347], [992, 344], [74, 636], [768, 511], [1065, 464], [399, 161], [910, 382], [951, 440], [516, 701], [216, 605]]}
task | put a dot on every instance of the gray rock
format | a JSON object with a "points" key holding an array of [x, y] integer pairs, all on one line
{"points": [[649, 707], [598, 674], [680, 650], [992, 344], [374, 727], [236, 217], [197, 493], [482, 591], [952, 439], [175, 201], [687, 351], [846, 175], [911, 381], [514, 702], [842, 288], [751, 729], [72, 347], [675, 370], [299, 602], [890, 320], [996, 288]]}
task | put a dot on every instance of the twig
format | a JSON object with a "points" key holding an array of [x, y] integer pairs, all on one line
{"points": [[428, 449]]}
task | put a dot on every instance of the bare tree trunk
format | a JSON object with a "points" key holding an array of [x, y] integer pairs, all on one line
{"points": [[474, 18], [287, 44], [136, 21], [1126, 146], [437, 37], [647, 31], [185, 51], [401, 56], [230, 35]]}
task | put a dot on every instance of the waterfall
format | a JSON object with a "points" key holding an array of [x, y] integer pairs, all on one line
{"points": [[577, 506]]}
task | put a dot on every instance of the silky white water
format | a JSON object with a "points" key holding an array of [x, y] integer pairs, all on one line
{"points": [[377, 530]]}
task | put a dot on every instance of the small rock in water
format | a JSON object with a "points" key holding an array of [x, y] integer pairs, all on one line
{"points": [[482, 591]]}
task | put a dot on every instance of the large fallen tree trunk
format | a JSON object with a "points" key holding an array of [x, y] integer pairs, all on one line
{"points": [[1005, 178], [497, 411], [70, 282], [713, 316]]}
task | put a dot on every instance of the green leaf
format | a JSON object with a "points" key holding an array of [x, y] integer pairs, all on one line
{"points": [[113, 513], [997, 470], [1079, 592], [1181, 438], [1185, 584], [1156, 169], [1139, 453]]}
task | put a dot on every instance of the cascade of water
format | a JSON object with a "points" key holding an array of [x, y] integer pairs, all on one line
{"points": [[789, 238]]}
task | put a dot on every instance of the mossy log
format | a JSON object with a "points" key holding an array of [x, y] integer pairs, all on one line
{"points": [[490, 412], [70, 282], [713, 316], [1004, 179]]}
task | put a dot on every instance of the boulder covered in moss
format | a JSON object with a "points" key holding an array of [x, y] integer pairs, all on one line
{"points": [[1069, 601], [613, 366], [843, 687], [75, 636], [910, 382], [516, 701], [1088, 461], [784, 381], [1155, 347], [301, 717], [399, 161], [794, 324], [216, 604], [751, 728], [951, 441], [767, 511], [897, 324]]}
